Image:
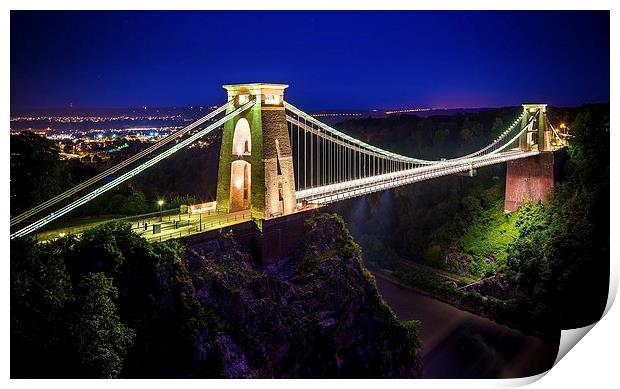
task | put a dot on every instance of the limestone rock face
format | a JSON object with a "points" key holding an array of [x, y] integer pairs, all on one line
{"points": [[317, 314]]}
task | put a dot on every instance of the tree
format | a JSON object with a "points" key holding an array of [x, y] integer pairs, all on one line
{"points": [[101, 340], [37, 173], [177, 201], [136, 204], [41, 293]]}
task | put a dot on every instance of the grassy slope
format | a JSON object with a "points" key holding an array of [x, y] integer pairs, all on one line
{"points": [[487, 238]]}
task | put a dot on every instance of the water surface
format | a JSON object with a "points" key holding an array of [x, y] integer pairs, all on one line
{"points": [[459, 344]]}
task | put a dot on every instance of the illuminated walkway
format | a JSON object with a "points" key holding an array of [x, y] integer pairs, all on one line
{"points": [[172, 226]]}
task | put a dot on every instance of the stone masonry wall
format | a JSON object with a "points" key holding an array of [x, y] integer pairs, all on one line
{"points": [[275, 128], [531, 179]]}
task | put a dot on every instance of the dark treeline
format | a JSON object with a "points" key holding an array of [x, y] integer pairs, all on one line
{"points": [[432, 137], [37, 173], [551, 260]]}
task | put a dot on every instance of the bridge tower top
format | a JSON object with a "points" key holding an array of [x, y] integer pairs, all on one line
{"points": [[539, 136], [532, 108], [269, 93]]}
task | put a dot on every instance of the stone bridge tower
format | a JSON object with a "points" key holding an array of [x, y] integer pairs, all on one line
{"points": [[532, 179], [256, 164]]}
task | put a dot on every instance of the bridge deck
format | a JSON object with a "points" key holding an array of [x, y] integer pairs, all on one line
{"points": [[348, 189]]}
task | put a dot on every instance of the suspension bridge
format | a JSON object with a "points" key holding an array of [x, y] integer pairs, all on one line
{"points": [[276, 160]]}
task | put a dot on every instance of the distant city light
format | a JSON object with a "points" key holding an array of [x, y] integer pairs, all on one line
{"points": [[335, 114], [409, 110]]}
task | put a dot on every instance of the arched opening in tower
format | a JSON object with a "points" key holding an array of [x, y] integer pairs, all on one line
{"points": [[240, 184], [242, 139]]}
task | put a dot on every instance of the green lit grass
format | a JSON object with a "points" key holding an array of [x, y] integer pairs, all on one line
{"points": [[487, 238]]}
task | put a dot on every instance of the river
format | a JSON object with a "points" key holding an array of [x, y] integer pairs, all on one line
{"points": [[459, 344]]}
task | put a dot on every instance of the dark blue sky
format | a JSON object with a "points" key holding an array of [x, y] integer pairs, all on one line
{"points": [[330, 59]]}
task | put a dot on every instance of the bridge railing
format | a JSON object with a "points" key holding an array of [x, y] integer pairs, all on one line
{"points": [[195, 228]]}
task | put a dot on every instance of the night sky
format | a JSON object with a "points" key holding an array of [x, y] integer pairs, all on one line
{"points": [[332, 60]]}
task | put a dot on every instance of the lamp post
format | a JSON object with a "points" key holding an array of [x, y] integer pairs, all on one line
{"points": [[161, 214]]}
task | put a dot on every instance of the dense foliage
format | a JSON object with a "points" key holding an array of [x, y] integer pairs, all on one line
{"points": [[68, 297]]}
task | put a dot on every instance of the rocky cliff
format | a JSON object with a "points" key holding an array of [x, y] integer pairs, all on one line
{"points": [[317, 314]]}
